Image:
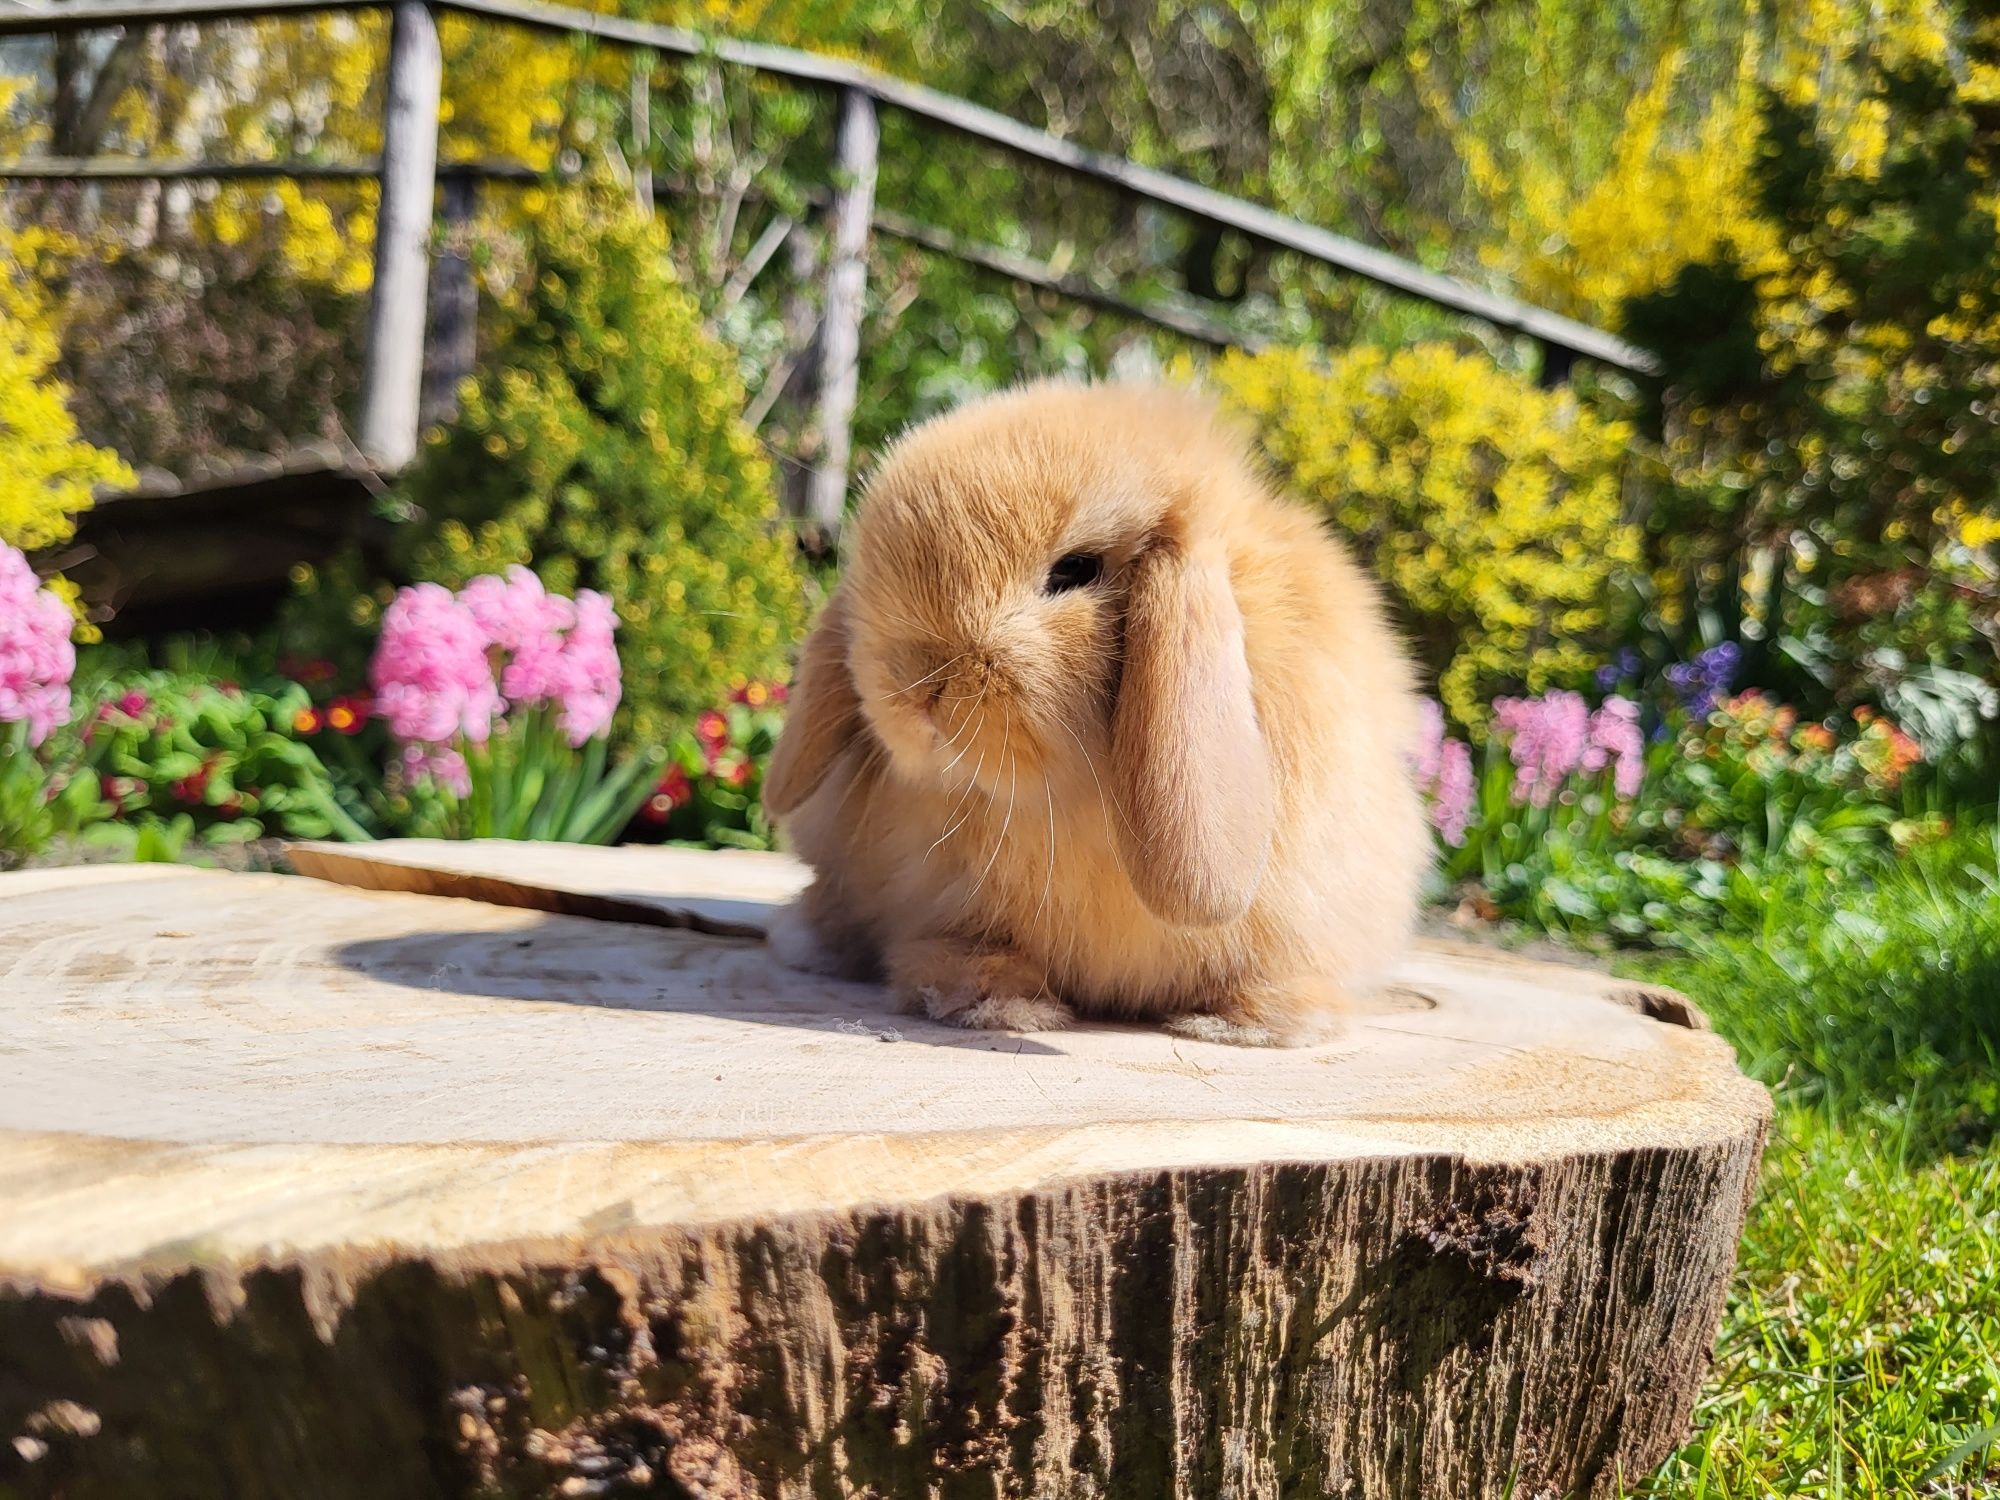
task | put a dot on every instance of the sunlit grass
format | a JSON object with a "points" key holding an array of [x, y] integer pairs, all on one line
{"points": [[1860, 1353], [1861, 1348]]}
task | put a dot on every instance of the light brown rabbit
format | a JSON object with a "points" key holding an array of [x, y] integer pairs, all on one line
{"points": [[1098, 723]]}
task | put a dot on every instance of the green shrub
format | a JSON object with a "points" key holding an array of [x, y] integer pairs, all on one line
{"points": [[713, 791], [225, 761], [1490, 509], [605, 449], [1875, 997]]}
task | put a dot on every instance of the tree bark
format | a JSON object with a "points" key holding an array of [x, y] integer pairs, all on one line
{"points": [[329, 1192]]}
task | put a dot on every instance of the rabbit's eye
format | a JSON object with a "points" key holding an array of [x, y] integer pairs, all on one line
{"points": [[1075, 571]]}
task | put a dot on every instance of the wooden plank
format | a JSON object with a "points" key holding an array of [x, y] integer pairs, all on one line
{"points": [[1260, 223], [418, 1195], [726, 892], [393, 371], [850, 216]]}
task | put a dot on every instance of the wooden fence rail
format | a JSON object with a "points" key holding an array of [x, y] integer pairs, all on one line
{"points": [[392, 394]]}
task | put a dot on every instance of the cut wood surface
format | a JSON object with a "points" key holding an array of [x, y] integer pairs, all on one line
{"points": [[415, 1194]]}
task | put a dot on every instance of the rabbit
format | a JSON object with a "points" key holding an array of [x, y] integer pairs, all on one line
{"points": [[1096, 722]]}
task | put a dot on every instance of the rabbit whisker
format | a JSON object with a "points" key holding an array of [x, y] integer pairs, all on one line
{"points": [[911, 687], [1106, 809], [1048, 880], [968, 745], [1013, 784], [962, 809], [899, 618]]}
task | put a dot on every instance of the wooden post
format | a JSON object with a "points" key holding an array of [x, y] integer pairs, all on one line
{"points": [[392, 378], [454, 319], [840, 321], [642, 131]]}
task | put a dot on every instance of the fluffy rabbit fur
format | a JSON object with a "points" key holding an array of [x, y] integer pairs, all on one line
{"points": [[1097, 722]]}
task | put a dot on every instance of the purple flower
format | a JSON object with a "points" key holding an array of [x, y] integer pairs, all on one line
{"points": [[1451, 801], [36, 657], [1623, 667], [1710, 676]]}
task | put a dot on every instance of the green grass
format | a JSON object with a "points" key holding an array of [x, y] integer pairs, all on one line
{"points": [[1860, 1354]]}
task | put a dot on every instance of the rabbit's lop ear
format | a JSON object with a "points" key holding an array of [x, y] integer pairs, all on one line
{"points": [[1191, 771], [823, 717]]}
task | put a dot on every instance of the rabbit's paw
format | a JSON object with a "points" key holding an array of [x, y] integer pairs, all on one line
{"points": [[985, 989], [1295, 1012]]}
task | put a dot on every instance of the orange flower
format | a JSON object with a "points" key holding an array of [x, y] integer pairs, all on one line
{"points": [[306, 721]]}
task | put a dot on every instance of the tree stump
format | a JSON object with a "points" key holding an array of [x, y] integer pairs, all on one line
{"points": [[309, 1190]]}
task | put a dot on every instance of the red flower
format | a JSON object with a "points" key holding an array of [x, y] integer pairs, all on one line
{"points": [[738, 773], [133, 704], [348, 715], [192, 787], [676, 787], [673, 791], [306, 721], [712, 728]]}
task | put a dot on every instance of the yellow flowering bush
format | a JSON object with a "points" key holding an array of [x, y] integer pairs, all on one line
{"points": [[1675, 185], [1489, 508], [47, 473]]}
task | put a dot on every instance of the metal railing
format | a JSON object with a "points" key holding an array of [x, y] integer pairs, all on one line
{"points": [[410, 175]]}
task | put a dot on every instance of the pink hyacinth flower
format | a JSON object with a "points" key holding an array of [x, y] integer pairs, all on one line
{"points": [[1615, 740], [1547, 738], [445, 766], [430, 672], [1451, 801], [527, 623], [1442, 768], [590, 679], [37, 659]]}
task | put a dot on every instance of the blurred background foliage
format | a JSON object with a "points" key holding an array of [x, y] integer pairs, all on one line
{"points": [[1792, 201]]}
